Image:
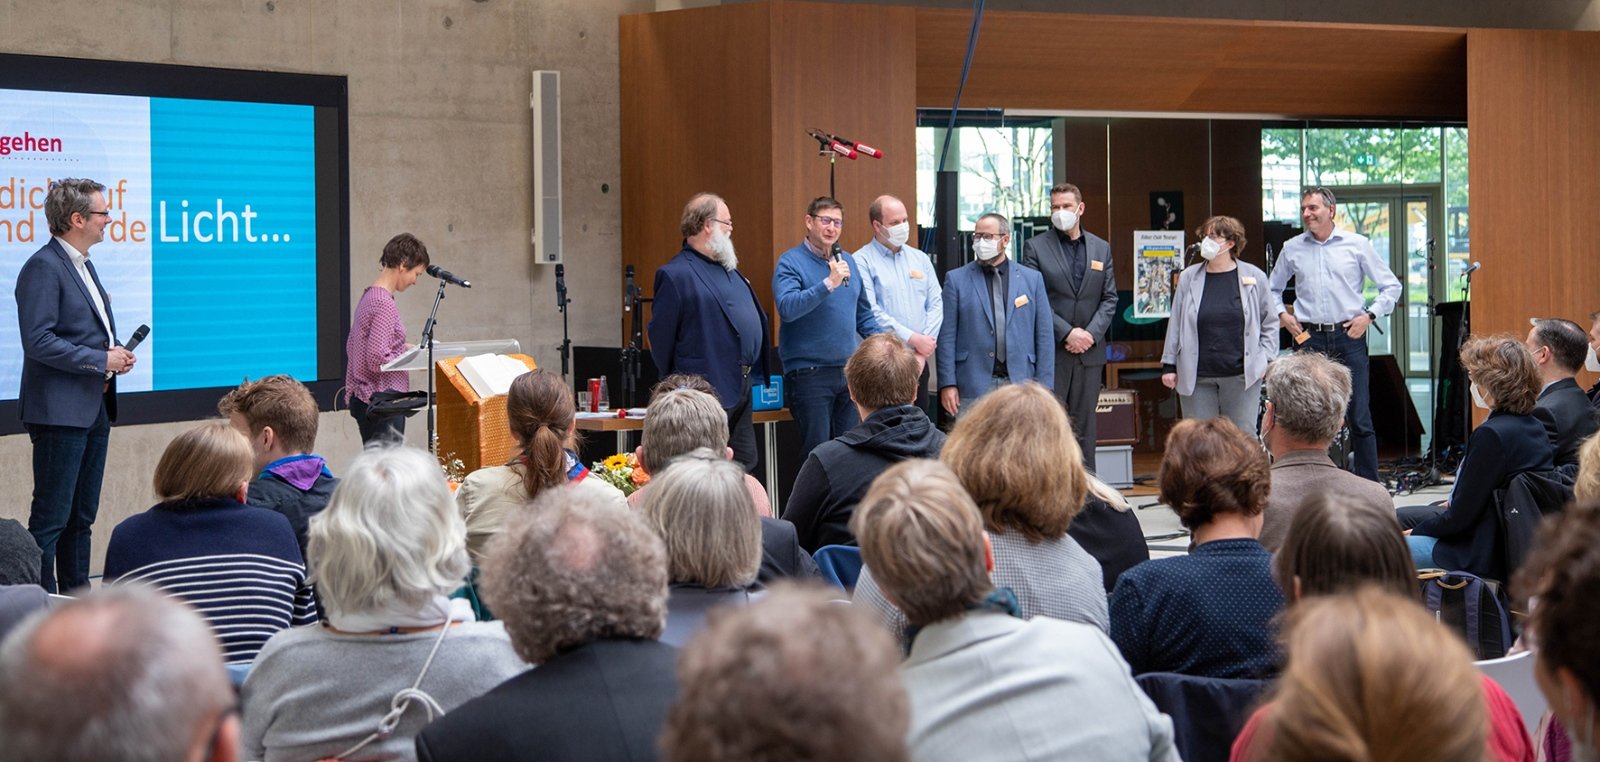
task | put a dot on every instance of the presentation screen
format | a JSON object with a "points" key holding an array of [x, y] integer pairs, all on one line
{"points": [[228, 228]]}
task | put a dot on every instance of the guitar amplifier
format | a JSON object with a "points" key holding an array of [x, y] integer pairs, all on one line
{"points": [[1117, 417]]}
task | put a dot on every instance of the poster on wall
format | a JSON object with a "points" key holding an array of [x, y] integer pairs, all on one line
{"points": [[1157, 260]]}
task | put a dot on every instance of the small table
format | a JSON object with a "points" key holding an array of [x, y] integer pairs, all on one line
{"points": [[1114, 370], [768, 419]]}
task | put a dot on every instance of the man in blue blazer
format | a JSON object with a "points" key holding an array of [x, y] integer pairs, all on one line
{"points": [[997, 322], [68, 396], [707, 320]]}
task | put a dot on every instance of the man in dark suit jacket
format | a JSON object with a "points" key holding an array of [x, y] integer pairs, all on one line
{"points": [[1559, 346], [1082, 284], [706, 319], [979, 345], [581, 585], [1591, 363], [68, 396]]}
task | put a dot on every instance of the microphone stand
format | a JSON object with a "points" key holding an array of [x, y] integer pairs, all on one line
{"points": [[427, 340], [632, 354], [1427, 475], [566, 337]]}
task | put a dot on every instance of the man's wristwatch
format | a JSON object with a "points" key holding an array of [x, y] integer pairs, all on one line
{"points": [[1372, 317]]}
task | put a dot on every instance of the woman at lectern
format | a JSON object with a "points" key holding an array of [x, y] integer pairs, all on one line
{"points": [[1222, 332], [378, 336]]}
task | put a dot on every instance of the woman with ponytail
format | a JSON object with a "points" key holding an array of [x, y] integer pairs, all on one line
{"points": [[542, 416]]}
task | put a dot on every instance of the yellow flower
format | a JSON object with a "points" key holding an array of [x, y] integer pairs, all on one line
{"points": [[615, 462]]}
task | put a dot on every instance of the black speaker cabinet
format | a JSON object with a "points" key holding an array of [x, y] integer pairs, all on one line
{"points": [[1116, 417]]}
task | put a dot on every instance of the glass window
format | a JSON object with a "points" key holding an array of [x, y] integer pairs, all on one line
{"points": [[1004, 169]]}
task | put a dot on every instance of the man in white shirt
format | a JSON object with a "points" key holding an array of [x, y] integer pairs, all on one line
{"points": [[68, 396], [901, 284]]}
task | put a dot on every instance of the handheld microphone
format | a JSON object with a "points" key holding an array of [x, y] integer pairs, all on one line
{"points": [[133, 343], [448, 277], [627, 292], [561, 287], [836, 257], [862, 147], [842, 149]]}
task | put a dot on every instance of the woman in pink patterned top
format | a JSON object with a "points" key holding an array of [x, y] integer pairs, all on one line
{"points": [[377, 336]]}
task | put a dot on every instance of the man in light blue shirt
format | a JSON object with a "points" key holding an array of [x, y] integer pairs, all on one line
{"points": [[900, 282], [1330, 268]]}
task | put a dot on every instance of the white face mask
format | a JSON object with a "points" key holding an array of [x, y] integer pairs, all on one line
{"points": [[722, 245], [1063, 219], [1591, 363], [897, 235], [1209, 248], [986, 249], [1477, 398]]}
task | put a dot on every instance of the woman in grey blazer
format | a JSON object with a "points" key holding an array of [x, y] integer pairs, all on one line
{"points": [[1222, 332]]}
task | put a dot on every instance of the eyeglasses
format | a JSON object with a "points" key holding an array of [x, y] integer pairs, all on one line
{"points": [[729, 223], [988, 236], [106, 212], [830, 222]]}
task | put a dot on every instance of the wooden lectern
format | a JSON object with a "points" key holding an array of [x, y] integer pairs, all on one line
{"points": [[472, 428]]}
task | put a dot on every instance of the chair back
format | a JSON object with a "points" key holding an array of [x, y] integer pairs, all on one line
{"points": [[1514, 673], [1207, 712], [839, 564]]}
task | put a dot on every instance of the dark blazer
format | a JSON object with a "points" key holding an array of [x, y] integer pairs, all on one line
{"points": [[1567, 417], [1090, 306], [965, 353], [781, 554], [1469, 530], [691, 332], [606, 700], [64, 344]]}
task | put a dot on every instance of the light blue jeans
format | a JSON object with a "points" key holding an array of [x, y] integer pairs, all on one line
{"points": [[1422, 550]]}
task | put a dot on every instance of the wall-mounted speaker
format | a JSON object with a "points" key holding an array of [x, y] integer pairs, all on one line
{"points": [[545, 102]]}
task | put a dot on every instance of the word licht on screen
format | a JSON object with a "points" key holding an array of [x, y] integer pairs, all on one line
{"points": [[205, 226]]}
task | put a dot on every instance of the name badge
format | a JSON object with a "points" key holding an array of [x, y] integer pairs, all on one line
{"points": [[1249, 281], [916, 275], [1022, 301], [1096, 265]]}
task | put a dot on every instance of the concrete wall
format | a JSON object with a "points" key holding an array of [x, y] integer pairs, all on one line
{"points": [[439, 134]]}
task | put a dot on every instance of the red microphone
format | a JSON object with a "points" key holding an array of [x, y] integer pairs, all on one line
{"points": [[843, 149], [862, 147]]}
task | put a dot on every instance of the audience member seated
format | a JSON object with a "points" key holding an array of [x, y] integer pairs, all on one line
{"points": [[882, 379], [671, 445], [682, 420], [1370, 676], [279, 417], [1563, 577], [1586, 488], [985, 683], [392, 650], [238, 566], [20, 593], [1339, 543], [541, 414], [1307, 395], [703, 513], [794, 678], [1109, 530], [123, 674], [1016, 455], [1558, 348], [581, 585], [1464, 534], [1208, 613]]}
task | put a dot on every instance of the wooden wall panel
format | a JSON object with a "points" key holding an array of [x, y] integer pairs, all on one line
{"points": [[1533, 124], [1122, 63], [696, 116]]}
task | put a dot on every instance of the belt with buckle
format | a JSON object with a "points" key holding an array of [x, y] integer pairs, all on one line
{"points": [[1323, 327]]}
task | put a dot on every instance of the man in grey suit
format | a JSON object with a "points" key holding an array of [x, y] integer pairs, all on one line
{"points": [[68, 397], [985, 683], [996, 328], [1082, 284], [1559, 346]]}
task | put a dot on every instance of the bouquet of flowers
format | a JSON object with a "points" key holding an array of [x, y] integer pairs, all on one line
{"points": [[621, 471]]}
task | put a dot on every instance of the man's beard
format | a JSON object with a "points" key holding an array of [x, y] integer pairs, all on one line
{"points": [[722, 246]]}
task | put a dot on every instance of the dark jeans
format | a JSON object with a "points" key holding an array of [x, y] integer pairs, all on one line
{"points": [[388, 428], [1352, 353], [741, 431], [68, 466], [821, 405]]}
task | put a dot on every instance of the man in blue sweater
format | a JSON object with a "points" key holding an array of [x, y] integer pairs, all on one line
{"points": [[824, 313]]}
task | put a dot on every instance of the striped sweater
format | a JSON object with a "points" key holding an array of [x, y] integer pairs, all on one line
{"points": [[238, 565]]}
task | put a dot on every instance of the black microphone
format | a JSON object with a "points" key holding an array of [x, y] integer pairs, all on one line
{"points": [[627, 292], [133, 343], [448, 277], [561, 287], [836, 257]]}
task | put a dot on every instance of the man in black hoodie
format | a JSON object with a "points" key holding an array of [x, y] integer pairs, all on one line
{"points": [[279, 417], [882, 378]]}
